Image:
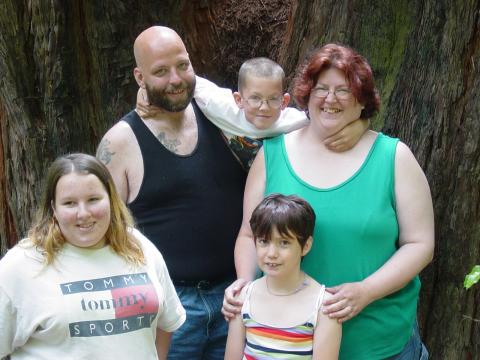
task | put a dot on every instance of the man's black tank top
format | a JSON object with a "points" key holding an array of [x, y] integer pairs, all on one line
{"points": [[190, 206]]}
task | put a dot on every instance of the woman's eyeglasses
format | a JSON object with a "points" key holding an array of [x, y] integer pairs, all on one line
{"points": [[340, 93]]}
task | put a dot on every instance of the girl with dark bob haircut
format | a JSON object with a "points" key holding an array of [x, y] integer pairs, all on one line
{"points": [[356, 69], [289, 215], [282, 310]]}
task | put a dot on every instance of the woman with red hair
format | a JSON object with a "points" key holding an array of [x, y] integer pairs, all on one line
{"points": [[374, 230]]}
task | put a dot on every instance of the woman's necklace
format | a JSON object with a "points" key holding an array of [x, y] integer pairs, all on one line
{"points": [[300, 287]]}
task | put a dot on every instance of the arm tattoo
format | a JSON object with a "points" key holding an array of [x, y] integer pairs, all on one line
{"points": [[171, 145], [103, 153]]}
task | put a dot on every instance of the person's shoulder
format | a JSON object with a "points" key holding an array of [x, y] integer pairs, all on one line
{"points": [[24, 246], [119, 132], [150, 251], [23, 255], [144, 242], [119, 139], [378, 141], [248, 288], [326, 295], [322, 295], [316, 286], [403, 151], [405, 162], [385, 138]]}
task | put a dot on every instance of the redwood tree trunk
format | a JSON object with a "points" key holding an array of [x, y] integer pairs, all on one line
{"points": [[67, 76], [436, 109], [426, 62]]}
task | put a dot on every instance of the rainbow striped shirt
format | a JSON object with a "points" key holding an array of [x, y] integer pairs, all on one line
{"points": [[264, 342]]}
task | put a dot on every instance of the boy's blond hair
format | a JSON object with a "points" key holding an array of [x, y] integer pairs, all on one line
{"points": [[260, 67]]}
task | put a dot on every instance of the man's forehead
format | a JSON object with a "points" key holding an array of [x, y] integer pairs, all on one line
{"points": [[169, 57], [164, 52]]}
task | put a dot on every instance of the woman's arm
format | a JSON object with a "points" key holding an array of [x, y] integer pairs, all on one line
{"points": [[327, 336], [245, 255], [162, 343], [416, 240]]}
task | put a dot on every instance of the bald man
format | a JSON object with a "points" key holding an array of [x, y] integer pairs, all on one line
{"points": [[184, 188]]}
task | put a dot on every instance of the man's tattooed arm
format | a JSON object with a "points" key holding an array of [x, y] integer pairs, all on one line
{"points": [[103, 152]]}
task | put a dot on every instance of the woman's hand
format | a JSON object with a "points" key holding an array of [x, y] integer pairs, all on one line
{"points": [[347, 301], [231, 303], [143, 107], [416, 239]]}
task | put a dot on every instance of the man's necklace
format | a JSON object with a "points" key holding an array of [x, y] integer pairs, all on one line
{"points": [[300, 287]]}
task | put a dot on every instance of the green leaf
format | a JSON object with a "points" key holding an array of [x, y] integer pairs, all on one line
{"points": [[472, 278]]}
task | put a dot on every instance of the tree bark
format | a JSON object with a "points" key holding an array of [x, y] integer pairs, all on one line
{"points": [[426, 62], [67, 76], [437, 112]]}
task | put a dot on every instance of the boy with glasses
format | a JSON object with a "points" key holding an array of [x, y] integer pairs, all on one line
{"points": [[257, 110]]}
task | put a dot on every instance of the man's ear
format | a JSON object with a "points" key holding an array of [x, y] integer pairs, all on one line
{"points": [[286, 100], [137, 73], [307, 246], [238, 99]]}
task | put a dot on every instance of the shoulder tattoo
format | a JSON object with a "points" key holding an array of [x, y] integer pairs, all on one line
{"points": [[103, 153], [170, 144]]}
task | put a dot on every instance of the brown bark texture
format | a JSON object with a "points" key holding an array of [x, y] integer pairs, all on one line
{"points": [[67, 76], [425, 56]]}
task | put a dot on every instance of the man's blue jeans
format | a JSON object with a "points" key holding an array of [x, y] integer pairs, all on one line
{"points": [[414, 350], [203, 336]]}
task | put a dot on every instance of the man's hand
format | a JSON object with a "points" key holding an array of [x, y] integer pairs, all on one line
{"points": [[348, 137], [231, 303]]}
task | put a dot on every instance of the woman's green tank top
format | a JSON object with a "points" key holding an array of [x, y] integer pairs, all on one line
{"points": [[356, 232]]}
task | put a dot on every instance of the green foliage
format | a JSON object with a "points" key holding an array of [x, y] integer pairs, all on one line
{"points": [[472, 278]]}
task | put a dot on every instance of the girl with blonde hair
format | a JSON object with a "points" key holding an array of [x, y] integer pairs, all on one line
{"points": [[85, 283]]}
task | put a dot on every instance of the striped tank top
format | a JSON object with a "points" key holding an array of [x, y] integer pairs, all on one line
{"points": [[264, 342]]}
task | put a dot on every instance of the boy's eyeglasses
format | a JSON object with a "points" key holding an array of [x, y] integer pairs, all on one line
{"points": [[273, 103], [341, 94]]}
